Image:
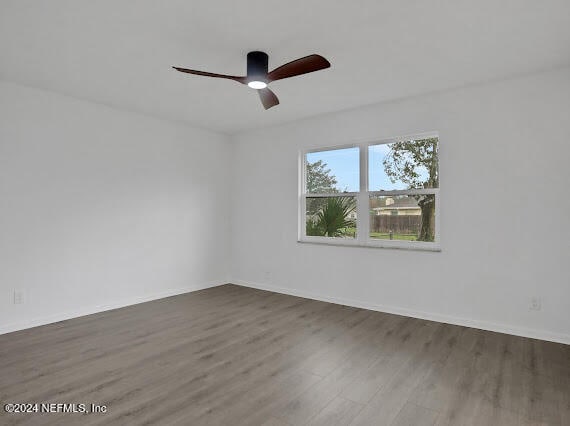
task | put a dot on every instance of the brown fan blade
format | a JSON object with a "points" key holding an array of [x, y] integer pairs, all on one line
{"points": [[241, 80], [300, 66], [268, 98]]}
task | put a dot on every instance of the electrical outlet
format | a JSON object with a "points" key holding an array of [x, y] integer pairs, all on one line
{"points": [[18, 297], [535, 304]]}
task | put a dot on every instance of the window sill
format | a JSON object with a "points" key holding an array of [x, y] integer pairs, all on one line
{"points": [[386, 244]]}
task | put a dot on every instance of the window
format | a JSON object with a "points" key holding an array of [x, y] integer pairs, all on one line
{"points": [[380, 194]]}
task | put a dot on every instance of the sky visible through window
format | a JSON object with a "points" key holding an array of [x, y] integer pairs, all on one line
{"points": [[344, 165]]}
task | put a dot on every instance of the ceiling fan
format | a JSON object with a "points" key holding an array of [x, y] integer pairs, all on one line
{"points": [[258, 75]]}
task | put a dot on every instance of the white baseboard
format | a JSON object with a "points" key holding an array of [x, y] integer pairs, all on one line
{"points": [[483, 325], [88, 310]]}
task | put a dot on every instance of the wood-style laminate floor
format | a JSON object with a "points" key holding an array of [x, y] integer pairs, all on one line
{"points": [[237, 356]]}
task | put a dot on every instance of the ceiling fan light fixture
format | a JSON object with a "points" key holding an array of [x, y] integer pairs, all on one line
{"points": [[257, 84], [258, 75]]}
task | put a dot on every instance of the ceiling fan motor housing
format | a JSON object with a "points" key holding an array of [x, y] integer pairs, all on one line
{"points": [[257, 66]]}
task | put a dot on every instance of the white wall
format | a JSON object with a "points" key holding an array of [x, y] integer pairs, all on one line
{"points": [[505, 210], [101, 208]]}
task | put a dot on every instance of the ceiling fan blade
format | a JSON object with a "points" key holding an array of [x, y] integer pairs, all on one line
{"points": [[300, 66], [268, 98], [241, 80]]}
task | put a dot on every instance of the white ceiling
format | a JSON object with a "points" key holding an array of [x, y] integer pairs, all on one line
{"points": [[119, 52]]}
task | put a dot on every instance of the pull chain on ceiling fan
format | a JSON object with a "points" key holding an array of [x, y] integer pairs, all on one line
{"points": [[258, 76]]}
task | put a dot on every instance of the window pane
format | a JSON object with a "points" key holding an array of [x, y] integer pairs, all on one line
{"points": [[331, 217], [333, 171], [403, 165], [403, 217]]}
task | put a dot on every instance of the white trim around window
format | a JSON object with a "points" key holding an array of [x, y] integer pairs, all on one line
{"points": [[363, 202]]}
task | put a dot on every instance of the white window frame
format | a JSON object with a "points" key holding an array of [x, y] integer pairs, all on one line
{"points": [[363, 201]]}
